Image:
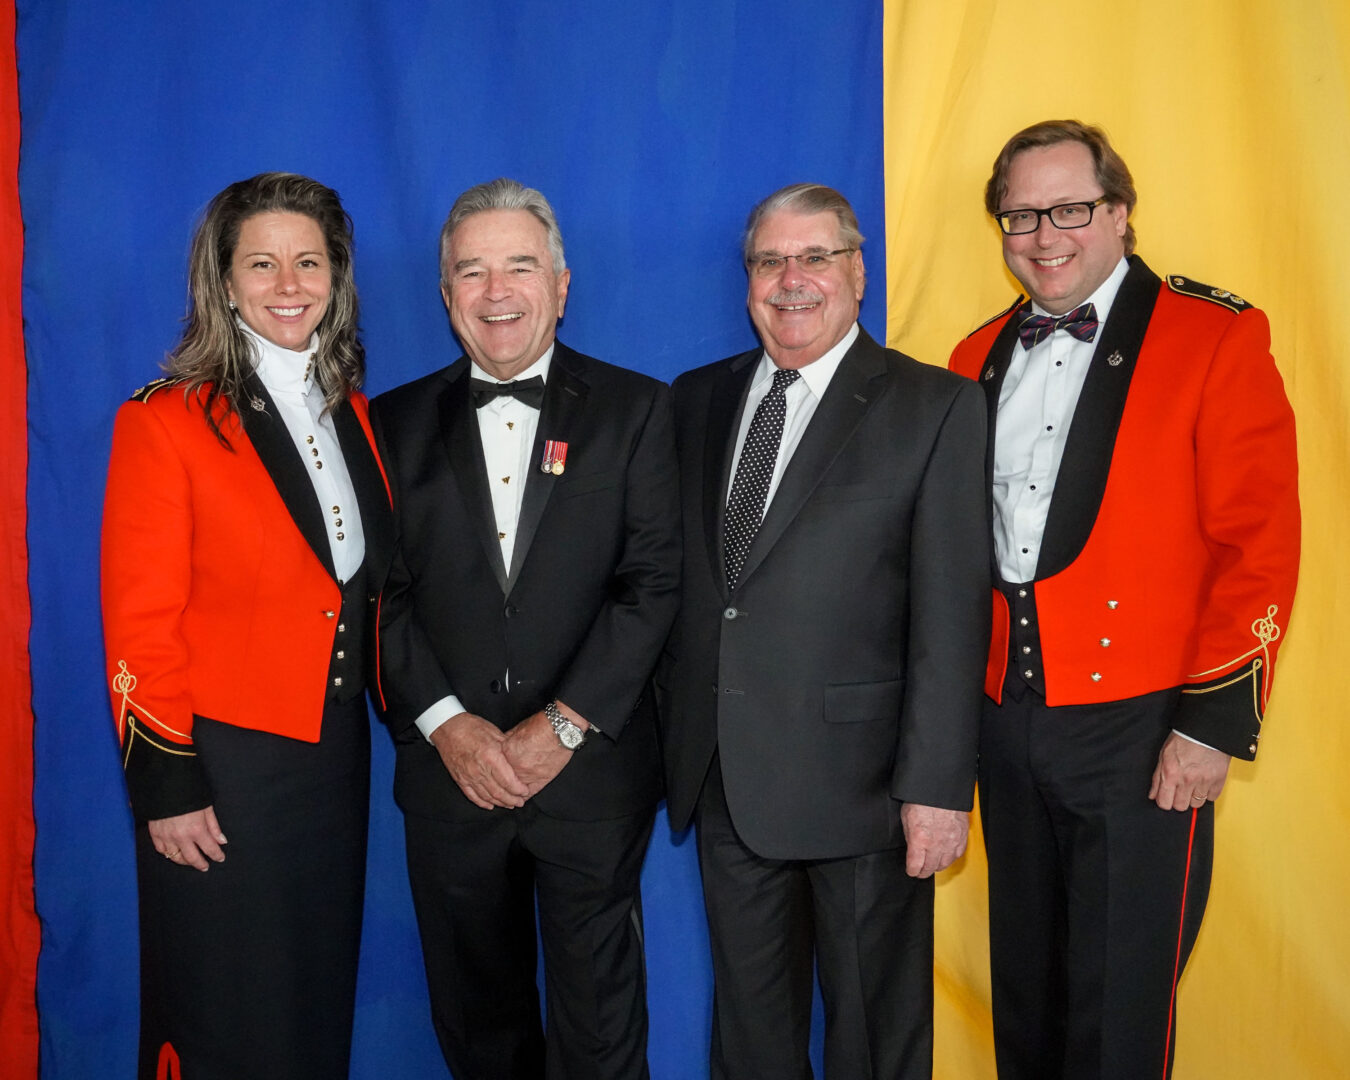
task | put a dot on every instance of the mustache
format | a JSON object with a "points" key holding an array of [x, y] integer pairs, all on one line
{"points": [[796, 296]]}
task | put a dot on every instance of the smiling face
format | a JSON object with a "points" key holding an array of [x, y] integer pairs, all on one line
{"points": [[501, 290], [1060, 268], [280, 279], [803, 313]]}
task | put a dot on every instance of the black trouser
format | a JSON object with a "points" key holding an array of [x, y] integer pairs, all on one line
{"points": [[475, 886], [1095, 894]]}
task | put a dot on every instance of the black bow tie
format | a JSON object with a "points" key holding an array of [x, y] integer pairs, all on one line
{"points": [[1081, 322], [530, 391]]}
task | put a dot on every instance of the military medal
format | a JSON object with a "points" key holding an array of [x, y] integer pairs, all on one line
{"points": [[555, 457]]}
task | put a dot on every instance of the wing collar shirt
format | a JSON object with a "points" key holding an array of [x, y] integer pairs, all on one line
{"points": [[1035, 407], [801, 399], [289, 378], [506, 427]]}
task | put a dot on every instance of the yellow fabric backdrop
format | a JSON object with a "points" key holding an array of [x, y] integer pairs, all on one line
{"points": [[1235, 120]]}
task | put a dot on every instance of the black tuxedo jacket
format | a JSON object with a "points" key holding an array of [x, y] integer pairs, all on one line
{"points": [[580, 614], [843, 675]]}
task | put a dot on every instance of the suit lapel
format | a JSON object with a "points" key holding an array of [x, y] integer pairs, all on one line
{"points": [[272, 441], [725, 408], [1083, 470], [992, 374], [564, 397], [464, 446], [371, 496], [857, 383]]}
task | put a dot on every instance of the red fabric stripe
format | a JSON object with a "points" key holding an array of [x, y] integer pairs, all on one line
{"points": [[168, 1066], [1181, 933], [19, 931]]}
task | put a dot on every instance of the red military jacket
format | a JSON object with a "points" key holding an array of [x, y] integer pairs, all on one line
{"points": [[219, 597], [1171, 548]]}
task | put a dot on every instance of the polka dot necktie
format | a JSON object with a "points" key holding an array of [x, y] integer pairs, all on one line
{"points": [[745, 507]]}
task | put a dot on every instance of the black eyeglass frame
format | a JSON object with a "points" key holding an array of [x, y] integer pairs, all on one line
{"points": [[754, 264], [1047, 212]]}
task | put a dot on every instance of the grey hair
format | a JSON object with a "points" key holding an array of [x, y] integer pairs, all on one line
{"points": [[503, 194], [214, 355], [804, 199]]}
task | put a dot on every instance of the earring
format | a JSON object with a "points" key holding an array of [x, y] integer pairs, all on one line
{"points": [[233, 305]]}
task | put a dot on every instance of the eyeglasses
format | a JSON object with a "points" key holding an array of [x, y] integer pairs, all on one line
{"points": [[1069, 215], [768, 265]]}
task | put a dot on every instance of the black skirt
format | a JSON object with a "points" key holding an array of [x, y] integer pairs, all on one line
{"points": [[248, 971]]}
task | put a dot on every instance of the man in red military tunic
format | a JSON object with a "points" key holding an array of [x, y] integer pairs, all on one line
{"points": [[1146, 535]]}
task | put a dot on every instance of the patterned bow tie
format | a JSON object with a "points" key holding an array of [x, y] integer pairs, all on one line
{"points": [[1081, 322], [530, 391]]}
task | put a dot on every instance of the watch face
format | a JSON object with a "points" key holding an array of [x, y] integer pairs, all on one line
{"points": [[570, 735]]}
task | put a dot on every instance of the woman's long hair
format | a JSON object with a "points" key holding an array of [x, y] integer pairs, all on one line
{"points": [[214, 356]]}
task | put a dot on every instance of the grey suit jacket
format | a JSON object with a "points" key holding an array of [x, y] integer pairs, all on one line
{"points": [[844, 674]]}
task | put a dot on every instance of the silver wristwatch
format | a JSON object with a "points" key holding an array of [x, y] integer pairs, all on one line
{"points": [[568, 733]]}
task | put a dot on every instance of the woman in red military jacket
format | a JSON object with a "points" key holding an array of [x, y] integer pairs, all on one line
{"points": [[246, 532]]}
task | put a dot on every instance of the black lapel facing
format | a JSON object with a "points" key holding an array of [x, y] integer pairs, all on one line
{"points": [[464, 446], [272, 440], [856, 385], [564, 396], [1088, 448], [726, 405], [991, 378], [371, 495]]}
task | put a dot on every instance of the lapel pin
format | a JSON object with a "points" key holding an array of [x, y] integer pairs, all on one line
{"points": [[1115, 359], [989, 373], [555, 457], [258, 404]]}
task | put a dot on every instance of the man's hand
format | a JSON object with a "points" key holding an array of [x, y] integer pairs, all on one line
{"points": [[472, 751], [935, 838], [533, 749], [189, 839], [1188, 774]]}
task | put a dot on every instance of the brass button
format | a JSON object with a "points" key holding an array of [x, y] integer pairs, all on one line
{"points": [[329, 614], [1105, 642], [337, 681], [309, 438], [341, 654], [318, 464], [337, 509], [1028, 673], [1113, 604], [1026, 649], [1023, 620], [1022, 593], [1251, 749], [337, 522], [340, 536], [1096, 676], [315, 451], [342, 628]]}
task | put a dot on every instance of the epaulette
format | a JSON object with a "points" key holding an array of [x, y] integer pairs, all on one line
{"points": [[143, 394], [1223, 297], [995, 318]]}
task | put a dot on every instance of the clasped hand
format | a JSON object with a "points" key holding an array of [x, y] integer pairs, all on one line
{"points": [[495, 768]]}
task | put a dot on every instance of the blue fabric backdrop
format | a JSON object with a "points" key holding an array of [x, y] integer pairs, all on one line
{"points": [[653, 127]]}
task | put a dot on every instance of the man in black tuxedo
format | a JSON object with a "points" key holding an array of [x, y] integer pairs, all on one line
{"points": [[821, 691], [536, 577]]}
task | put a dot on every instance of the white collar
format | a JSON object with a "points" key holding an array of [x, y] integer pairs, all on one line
{"points": [[539, 367], [817, 374], [281, 370]]}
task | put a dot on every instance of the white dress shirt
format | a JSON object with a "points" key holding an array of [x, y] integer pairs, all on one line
{"points": [[506, 427], [1035, 407], [289, 378], [801, 398]]}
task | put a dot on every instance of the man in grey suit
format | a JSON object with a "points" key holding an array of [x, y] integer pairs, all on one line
{"points": [[820, 694]]}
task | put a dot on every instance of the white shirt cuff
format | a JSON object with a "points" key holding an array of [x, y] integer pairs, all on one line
{"points": [[1174, 732], [435, 715]]}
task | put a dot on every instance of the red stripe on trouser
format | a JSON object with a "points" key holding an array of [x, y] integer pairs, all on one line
{"points": [[1181, 935], [168, 1067]]}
